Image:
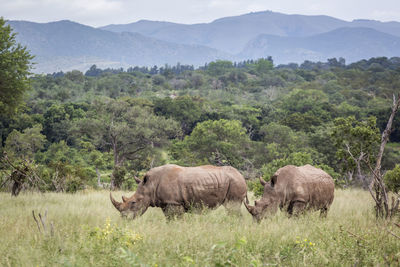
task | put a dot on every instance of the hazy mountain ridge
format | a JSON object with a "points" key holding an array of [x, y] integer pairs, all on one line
{"points": [[353, 44], [142, 26], [231, 34], [66, 45]]}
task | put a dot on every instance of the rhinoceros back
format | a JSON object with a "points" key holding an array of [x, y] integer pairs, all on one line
{"points": [[207, 185]]}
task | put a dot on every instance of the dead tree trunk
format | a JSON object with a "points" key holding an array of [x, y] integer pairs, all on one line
{"points": [[22, 176], [19, 178], [377, 187]]}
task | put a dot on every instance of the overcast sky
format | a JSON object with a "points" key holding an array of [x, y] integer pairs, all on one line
{"points": [[104, 12]]}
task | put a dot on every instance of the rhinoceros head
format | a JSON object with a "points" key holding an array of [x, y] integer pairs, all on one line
{"points": [[268, 204], [137, 204]]}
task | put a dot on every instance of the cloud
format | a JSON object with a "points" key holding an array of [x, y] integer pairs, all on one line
{"points": [[386, 15], [89, 11]]}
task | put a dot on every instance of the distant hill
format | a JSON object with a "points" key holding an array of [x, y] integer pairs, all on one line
{"points": [[66, 45], [350, 43], [391, 27], [231, 34], [145, 27]]}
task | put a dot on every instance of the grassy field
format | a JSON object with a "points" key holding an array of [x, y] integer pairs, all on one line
{"points": [[88, 231]]}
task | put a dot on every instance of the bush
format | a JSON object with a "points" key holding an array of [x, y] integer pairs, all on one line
{"points": [[256, 187], [392, 179], [119, 173], [297, 159], [111, 235], [73, 184]]}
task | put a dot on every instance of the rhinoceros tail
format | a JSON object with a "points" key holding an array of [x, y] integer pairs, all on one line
{"points": [[247, 199]]}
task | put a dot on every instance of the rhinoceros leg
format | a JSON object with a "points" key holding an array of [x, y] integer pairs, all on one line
{"points": [[172, 212], [296, 208], [324, 212]]}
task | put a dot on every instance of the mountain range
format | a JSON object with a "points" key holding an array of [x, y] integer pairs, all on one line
{"points": [[66, 45], [353, 44], [231, 34]]}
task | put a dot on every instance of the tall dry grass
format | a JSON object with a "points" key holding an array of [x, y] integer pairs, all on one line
{"points": [[88, 231]]}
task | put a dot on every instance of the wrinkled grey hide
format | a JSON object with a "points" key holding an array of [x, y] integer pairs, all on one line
{"points": [[177, 189], [295, 189]]}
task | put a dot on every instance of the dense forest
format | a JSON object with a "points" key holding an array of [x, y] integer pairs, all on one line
{"points": [[105, 126]]}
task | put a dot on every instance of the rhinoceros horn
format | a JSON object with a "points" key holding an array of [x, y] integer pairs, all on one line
{"points": [[116, 204], [138, 181], [124, 199], [263, 183], [249, 208]]}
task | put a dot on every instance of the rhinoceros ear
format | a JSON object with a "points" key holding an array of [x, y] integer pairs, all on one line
{"points": [[138, 181], [263, 183]]}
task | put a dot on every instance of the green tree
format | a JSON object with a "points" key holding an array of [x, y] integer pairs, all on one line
{"points": [[263, 65], [219, 67], [158, 79], [75, 76], [356, 141], [65, 168], [304, 101], [184, 109], [25, 144], [58, 119], [128, 130], [320, 139], [95, 158], [248, 115], [284, 136], [306, 108], [15, 65], [196, 80], [392, 179], [221, 142]]}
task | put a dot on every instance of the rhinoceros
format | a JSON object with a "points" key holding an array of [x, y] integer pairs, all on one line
{"points": [[295, 189], [177, 189]]}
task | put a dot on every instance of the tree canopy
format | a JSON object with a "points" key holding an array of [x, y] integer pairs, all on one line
{"points": [[15, 64], [105, 126]]}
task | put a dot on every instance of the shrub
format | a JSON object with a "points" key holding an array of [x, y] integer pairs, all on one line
{"points": [[111, 235], [392, 179]]}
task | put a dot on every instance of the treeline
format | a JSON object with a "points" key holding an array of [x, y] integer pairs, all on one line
{"points": [[105, 126]]}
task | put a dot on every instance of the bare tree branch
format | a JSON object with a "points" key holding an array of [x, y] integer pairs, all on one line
{"points": [[37, 223], [43, 220], [5, 181], [382, 205], [393, 234], [385, 135]]}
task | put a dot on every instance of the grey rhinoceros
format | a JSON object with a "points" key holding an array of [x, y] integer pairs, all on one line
{"points": [[177, 189], [295, 189]]}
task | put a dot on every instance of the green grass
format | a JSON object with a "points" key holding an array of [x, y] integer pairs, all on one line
{"points": [[88, 231]]}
